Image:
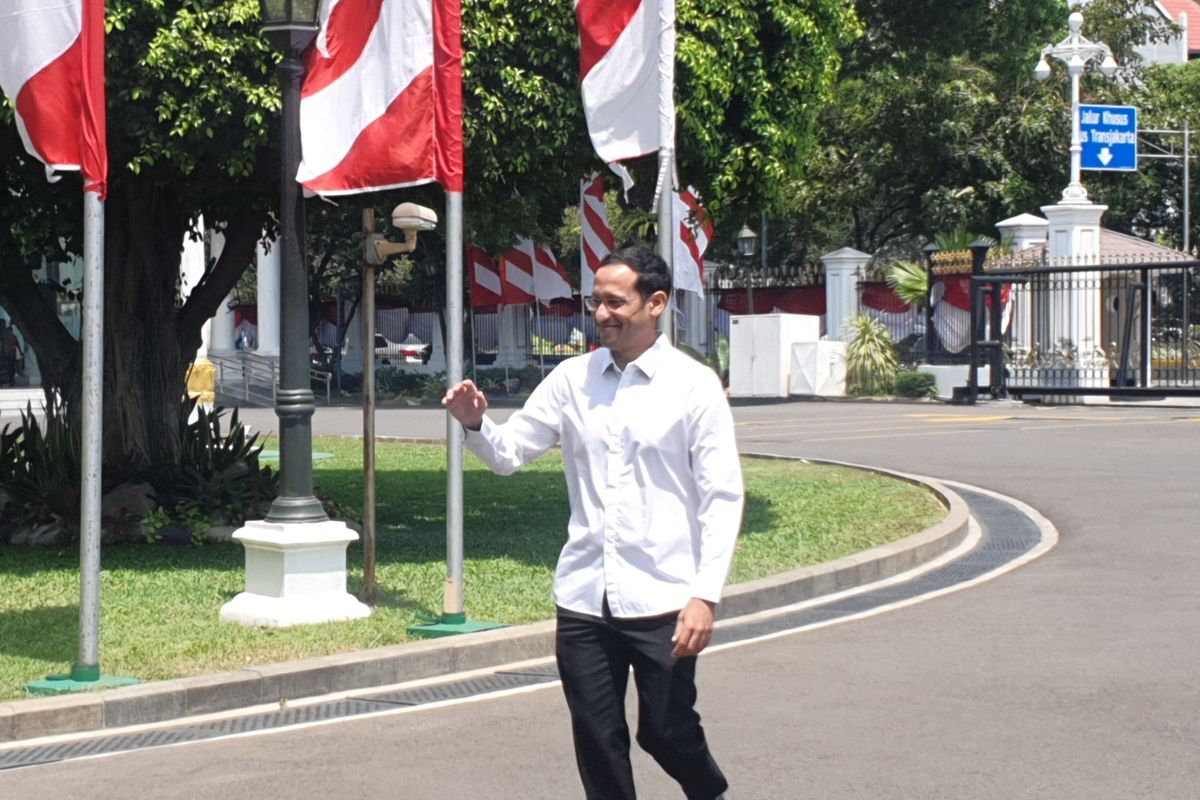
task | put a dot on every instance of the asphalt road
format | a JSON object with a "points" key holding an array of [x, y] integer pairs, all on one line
{"points": [[1074, 676]]}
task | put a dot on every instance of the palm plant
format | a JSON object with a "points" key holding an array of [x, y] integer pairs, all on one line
{"points": [[871, 358], [910, 282]]}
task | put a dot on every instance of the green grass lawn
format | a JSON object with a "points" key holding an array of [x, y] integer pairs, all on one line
{"points": [[160, 602]]}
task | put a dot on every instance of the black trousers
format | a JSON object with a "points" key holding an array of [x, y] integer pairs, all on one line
{"points": [[594, 657]]}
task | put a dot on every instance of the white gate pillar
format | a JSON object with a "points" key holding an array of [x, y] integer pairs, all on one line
{"points": [[842, 270], [1025, 231], [1075, 313]]}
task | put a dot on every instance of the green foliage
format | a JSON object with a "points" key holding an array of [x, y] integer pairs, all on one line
{"points": [[218, 477], [40, 469], [871, 360], [915, 384], [910, 282]]}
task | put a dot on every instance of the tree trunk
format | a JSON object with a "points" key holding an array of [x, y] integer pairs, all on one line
{"points": [[150, 335]]}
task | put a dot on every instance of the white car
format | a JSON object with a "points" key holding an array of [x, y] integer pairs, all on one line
{"points": [[411, 351]]}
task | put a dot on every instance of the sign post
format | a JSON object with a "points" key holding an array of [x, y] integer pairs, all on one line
{"points": [[1109, 138]]}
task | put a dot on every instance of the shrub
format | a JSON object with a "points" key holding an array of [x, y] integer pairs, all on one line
{"points": [[40, 469], [871, 360], [915, 384], [218, 476]]}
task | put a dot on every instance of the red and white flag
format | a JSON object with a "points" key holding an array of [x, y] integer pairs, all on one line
{"points": [[531, 272], [550, 279], [626, 60], [485, 278], [596, 236], [381, 105], [52, 69], [516, 274], [695, 230]]}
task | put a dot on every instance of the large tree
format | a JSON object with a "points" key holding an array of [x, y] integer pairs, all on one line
{"points": [[193, 116], [190, 120]]}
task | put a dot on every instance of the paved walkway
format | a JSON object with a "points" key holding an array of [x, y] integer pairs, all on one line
{"points": [[1073, 677]]}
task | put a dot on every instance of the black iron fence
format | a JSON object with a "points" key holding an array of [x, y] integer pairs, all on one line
{"points": [[1108, 326]]}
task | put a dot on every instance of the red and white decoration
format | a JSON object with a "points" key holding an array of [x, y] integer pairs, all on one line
{"points": [[531, 272], [516, 275], [486, 288], [620, 50], [596, 236], [381, 105], [951, 300], [550, 279], [695, 232], [52, 69]]}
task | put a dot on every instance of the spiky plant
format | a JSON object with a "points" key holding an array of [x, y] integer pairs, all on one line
{"points": [[909, 281], [871, 359]]}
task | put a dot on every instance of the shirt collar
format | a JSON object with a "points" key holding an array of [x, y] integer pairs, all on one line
{"points": [[647, 362]]}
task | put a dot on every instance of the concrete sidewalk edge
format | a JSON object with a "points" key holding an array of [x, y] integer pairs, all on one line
{"points": [[202, 694]]}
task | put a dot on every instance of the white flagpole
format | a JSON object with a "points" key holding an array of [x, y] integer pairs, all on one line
{"points": [[88, 666], [453, 609], [666, 151]]}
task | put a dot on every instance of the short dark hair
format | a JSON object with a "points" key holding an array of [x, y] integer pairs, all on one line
{"points": [[652, 272]]}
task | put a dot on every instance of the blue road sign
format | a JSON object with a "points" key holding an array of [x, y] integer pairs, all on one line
{"points": [[1109, 136]]}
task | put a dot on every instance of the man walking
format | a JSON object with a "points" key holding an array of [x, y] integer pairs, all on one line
{"points": [[656, 501]]}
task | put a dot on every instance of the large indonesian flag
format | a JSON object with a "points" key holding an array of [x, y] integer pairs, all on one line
{"points": [[52, 69], [620, 58], [381, 105], [596, 236]]}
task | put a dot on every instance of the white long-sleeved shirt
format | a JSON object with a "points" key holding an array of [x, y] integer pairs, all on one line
{"points": [[653, 478]]}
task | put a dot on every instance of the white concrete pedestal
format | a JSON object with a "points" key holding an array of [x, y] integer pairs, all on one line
{"points": [[295, 575]]}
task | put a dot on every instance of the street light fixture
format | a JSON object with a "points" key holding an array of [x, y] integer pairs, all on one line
{"points": [[411, 219], [290, 26], [747, 240], [296, 557], [1077, 52]]}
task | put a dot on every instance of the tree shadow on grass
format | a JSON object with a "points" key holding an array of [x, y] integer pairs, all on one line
{"points": [[48, 633]]}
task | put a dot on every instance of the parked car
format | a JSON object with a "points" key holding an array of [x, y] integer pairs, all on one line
{"points": [[411, 351]]}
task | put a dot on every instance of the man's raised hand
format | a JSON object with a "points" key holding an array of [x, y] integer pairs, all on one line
{"points": [[466, 404]]}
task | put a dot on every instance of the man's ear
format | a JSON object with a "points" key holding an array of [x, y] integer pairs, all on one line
{"points": [[658, 302]]}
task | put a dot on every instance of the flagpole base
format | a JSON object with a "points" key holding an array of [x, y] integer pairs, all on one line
{"points": [[449, 625], [80, 679]]}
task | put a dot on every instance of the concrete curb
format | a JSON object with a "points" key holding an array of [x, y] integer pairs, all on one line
{"points": [[203, 694]]}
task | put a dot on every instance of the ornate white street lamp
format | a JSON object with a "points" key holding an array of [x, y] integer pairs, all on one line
{"points": [[1078, 53]]}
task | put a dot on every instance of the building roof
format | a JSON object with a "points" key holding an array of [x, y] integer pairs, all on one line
{"points": [[1176, 7]]}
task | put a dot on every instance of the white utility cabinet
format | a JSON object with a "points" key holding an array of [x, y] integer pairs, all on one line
{"points": [[760, 351], [819, 368]]}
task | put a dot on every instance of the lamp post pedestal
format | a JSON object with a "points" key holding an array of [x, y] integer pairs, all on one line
{"points": [[295, 575]]}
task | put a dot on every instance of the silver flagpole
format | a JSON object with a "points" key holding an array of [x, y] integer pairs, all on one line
{"points": [[453, 609], [666, 152], [88, 666]]}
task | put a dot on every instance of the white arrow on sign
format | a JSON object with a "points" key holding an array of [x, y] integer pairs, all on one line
{"points": [[1105, 156]]}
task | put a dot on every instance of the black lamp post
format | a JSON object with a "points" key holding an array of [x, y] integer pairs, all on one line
{"points": [[746, 241], [291, 25]]}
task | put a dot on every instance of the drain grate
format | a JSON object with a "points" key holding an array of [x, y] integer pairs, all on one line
{"points": [[49, 754], [457, 690], [1006, 535]]}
